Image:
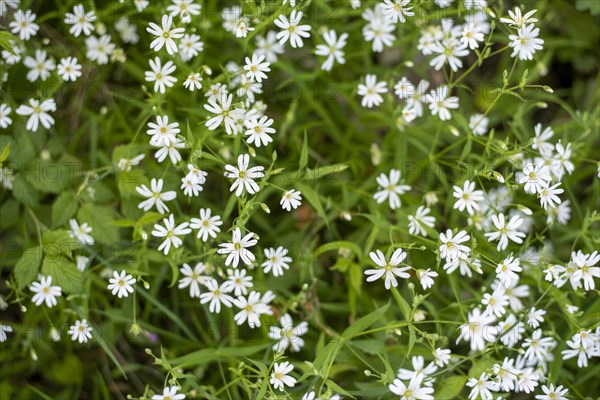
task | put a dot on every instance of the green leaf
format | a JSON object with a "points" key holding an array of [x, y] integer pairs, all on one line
{"points": [[28, 266], [127, 181], [59, 243], [5, 153], [64, 273], [313, 198], [205, 356], [450, 388], [24, 192], [101, 220], [64, 208], [5, 39], [303, 154], [365, 322], [317, 173]]}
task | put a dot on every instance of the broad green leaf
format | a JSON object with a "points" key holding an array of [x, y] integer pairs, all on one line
{"points": [[24, 192], [101, 220], [64, 273], [59, 242], [28, 266], [450, 388], [64, 208]]}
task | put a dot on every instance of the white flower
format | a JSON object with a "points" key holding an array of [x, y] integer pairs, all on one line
{"points": [[404, 88], [45, 292], [193, 81], [258, 131], [451, 248], [467, 197], [171, 233], [165, 35], [190, 46], [256, 68], [535, 317], [511, 331], [412, 391], [478, 329], [471, 35], [390, 189], [388, 269], [237, 282], [127, 31], [169, 393], [121, 284], [82, 262], [80, 21], [215, 295], [482, 387], [252, 308], [5, 120], [442, 357], [379, 28], [420, 219], [140, 5], [478, 123], [540, 142], [291, 30], [371, 91], [81, 331], [37, 113], [185, 9], [586, 269], [69, 69], [162, 132], [535, 177], [507, 270], [518, 19], [562, 161], [449, 52], [3, 330], [4, 7], [24, 24], [221, 107], [268, 46], [193, 278], [506, 230], [244, 176], [288, 335], [526, 42], [170, 149], [237, 249], [207, 225], [548, 196], [280, 377], [552, 393], [161, 75], [439, 102], [276, 260], [291, 199], [39, 67], [80, 232], [98, 49], [396, 10], [426, 277], [495, 302], [332, 50], [155, 196]]}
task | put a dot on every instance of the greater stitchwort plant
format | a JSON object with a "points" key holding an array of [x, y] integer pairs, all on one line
{"points": [[299, 199]]}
